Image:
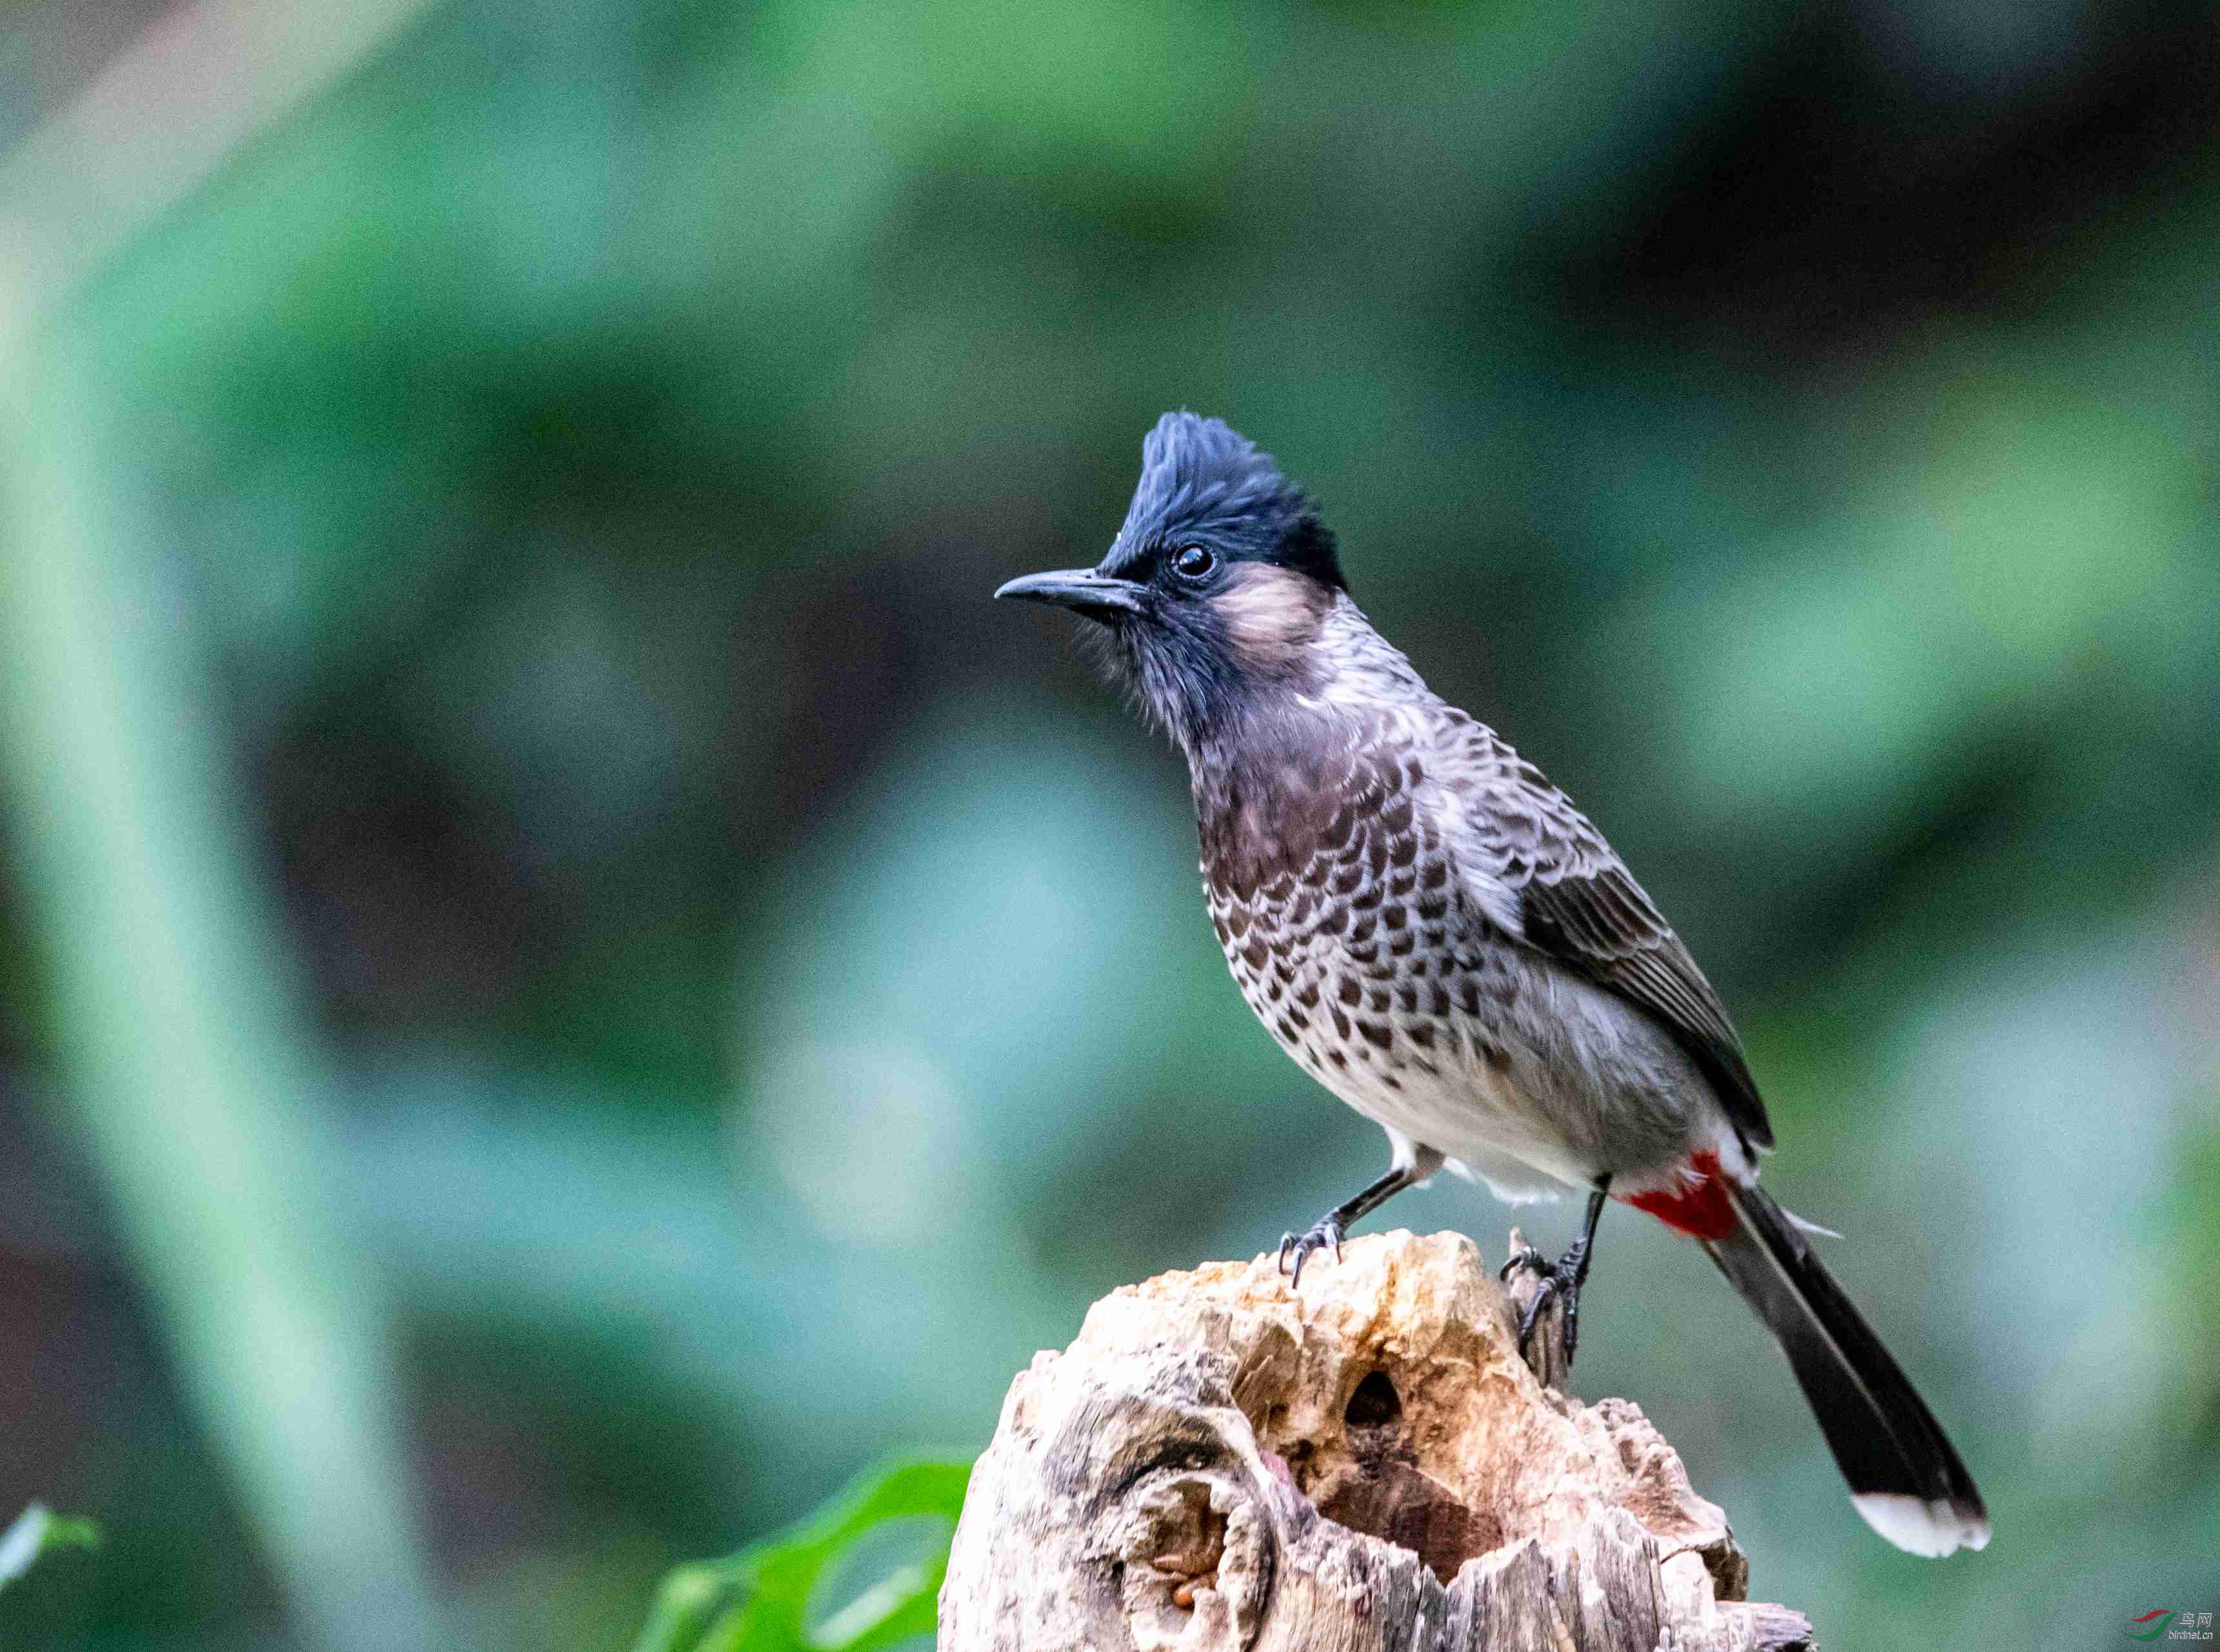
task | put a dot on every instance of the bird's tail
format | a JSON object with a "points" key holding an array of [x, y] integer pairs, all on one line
{"points": [[1905, 1478]]}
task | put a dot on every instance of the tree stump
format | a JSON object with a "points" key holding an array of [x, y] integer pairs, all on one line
{"points": [[1218, 1464]]}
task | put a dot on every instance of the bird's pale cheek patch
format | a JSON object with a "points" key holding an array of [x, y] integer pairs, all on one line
{"points": [[1271, 615]]}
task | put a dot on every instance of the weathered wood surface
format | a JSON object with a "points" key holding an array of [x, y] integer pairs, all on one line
{"points": [[1218, 1464]]}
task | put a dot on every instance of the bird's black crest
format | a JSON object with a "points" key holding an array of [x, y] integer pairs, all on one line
{"points": [[1201, 479]]}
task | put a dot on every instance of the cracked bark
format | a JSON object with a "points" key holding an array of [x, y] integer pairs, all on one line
{"points": [[1218, 1465]]}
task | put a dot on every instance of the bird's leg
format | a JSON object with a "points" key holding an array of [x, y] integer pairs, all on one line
{"points": [[1562, 1277], [1331, 1228]]}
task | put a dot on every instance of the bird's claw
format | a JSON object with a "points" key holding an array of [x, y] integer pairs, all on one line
{"points": [[1562, 1278], [1525, 1256], [1322, 1233]]}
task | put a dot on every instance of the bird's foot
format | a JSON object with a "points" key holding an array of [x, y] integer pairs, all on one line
{"points": [[1562, 1279], [1325, 1233]]}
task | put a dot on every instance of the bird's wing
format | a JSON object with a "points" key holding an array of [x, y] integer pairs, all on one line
{"points": [[1574, 901]]}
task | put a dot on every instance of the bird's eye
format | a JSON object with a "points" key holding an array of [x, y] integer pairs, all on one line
{"points": [[1194, 563]]}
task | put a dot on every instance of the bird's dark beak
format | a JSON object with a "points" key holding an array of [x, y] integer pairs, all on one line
{"points": [[1080, 590]]}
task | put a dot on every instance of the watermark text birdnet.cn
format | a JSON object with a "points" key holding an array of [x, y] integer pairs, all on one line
{"points": [[2167, 1624]]}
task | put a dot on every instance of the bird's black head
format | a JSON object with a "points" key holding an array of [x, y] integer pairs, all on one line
{"points": [[1214, 591]]}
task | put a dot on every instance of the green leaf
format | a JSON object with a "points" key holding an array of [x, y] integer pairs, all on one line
{"points": [[759, 1599], [39, 1530]]}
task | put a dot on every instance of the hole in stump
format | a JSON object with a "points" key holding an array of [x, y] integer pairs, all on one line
{"points": [[1375, 1405]]}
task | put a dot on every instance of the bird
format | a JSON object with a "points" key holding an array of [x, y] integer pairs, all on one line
{"points": [[1442, 940]]}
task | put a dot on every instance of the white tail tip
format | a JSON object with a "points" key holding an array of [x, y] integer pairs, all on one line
{"points": [[1919, 1527], [1812, 1227]]}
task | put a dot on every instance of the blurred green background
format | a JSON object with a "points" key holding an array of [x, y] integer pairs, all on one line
{"points": [[567, 981]]}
